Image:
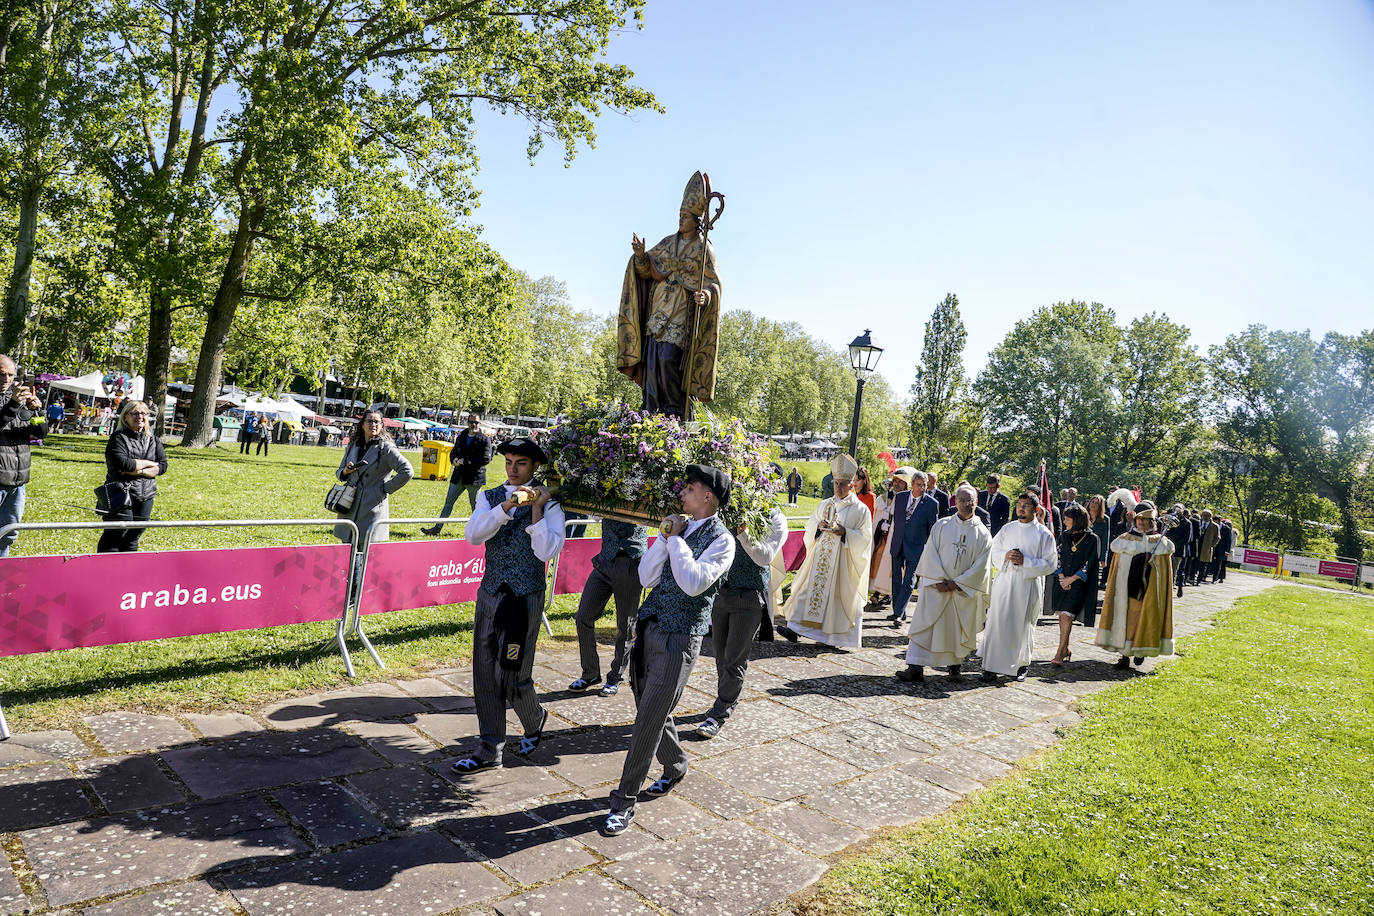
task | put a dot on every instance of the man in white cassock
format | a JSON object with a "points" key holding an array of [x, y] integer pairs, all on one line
{"points": [[828, 594], [955, 573], [1023, 553]]}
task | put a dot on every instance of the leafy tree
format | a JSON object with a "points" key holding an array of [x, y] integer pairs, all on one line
{"points": [[322, 95], [47, 63], [1046, 392], [1160, 381], [939, 379]]}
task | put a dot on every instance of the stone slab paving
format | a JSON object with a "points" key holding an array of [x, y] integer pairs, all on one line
{"points": [[37, 747], [129, 783], [119, 732], [192, 899], [223, 725], [87, 859], [12, 898], [578, 895], [415, 873], [344, 801]]}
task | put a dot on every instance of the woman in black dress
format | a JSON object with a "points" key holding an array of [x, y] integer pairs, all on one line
{"points": [[1074, 583]]}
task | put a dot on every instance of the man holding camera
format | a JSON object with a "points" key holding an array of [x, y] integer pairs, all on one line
{"points": [[684, 567], [19, 422], [470, 456], [522, 528]]}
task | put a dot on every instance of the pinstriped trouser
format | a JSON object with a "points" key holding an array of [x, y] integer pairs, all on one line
{"points": [[734, 621], [489, 691], [659, 666]]}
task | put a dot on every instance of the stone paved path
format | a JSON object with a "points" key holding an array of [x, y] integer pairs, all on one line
{"points": [[343, 802]]}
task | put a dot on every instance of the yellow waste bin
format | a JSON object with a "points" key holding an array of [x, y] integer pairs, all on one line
{"points": [[434, 462]]}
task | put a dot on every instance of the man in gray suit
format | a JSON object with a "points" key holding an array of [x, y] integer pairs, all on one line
{"points": [[685, 567]]}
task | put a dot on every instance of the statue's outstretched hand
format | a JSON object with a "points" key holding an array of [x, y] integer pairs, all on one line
{"points": [[637, 244]]}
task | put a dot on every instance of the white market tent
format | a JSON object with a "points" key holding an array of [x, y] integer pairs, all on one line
{"points": [[88, 386], [137, 392]]}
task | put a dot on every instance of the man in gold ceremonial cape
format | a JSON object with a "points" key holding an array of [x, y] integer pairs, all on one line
{"points": [[828, 594], [669, 323], [1138, 610]]}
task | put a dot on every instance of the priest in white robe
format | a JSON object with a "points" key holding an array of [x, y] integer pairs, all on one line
{"points": [[1023, 553], [955, 575], [828, 594]]}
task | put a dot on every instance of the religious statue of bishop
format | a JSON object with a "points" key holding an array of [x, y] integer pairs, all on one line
{"points": [[668, 329]]}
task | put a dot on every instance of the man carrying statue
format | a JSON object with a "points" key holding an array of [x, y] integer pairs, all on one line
{"points": [[669, 324]]}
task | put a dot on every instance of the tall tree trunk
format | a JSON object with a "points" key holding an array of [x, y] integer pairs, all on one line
{"points": [[210, 365], [25, 247], [159, 353]]}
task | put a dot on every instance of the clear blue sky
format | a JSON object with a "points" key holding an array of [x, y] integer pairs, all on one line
{"points": [[1207, 160]]}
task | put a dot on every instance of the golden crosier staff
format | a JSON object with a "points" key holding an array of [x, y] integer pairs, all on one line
{"points": [[708, 220]]}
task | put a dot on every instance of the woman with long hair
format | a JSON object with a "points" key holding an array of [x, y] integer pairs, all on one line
{"points": [[374, 465], [134, 459], [863, 488]]}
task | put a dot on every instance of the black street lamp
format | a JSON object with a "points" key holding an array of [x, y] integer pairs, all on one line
{"points": [[863, 359]]}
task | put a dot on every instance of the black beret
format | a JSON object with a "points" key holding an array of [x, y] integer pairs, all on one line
{"points": [[715, 480], [524, 447]]}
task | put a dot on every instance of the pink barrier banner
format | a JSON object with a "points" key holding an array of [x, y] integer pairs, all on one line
{"points": [[63, 602], [1260, 558], [408, 574], [1337, 569]]}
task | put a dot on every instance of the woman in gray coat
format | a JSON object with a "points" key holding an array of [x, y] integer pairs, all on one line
{"points": [[373, 464]]}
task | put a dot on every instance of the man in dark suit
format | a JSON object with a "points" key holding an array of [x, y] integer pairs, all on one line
{"points": [[1228, 540], [913, 515], [940, 496], [995, 503], [1181, 535]]}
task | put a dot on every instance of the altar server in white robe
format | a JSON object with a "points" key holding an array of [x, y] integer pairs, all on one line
{"points": [[828, 594], [1023, 553], [955, 573]]}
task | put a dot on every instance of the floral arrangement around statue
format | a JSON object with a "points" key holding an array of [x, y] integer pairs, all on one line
{"points": [[617, 462]]}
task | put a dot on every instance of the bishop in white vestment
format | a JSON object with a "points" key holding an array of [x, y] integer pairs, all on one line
{"points": [[828, 594], [1023, 553], [955, 573]]}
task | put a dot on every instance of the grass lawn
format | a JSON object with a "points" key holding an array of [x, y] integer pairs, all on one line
{"points": [[229, 670], [1235, 780]]}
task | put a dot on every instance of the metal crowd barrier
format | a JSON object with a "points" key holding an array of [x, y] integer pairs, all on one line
{"points": [[339, 630], [350, 618]]}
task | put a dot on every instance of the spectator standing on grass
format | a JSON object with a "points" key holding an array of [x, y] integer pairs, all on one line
{"points": [[19, 421], [56, 414], [794, 485], [264, 434], [471, 454], [134, 459], [374, 465], [247, 432]]}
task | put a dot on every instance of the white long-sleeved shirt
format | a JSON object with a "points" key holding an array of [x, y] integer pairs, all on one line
{"points": [[546, 535], [693, 575], [762, 552]]}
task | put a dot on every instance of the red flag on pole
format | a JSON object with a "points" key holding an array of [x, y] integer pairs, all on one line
{"points": [[1044, 489]]}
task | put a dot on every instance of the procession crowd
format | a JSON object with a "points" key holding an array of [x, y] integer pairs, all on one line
{"points": [[931, 555]]}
